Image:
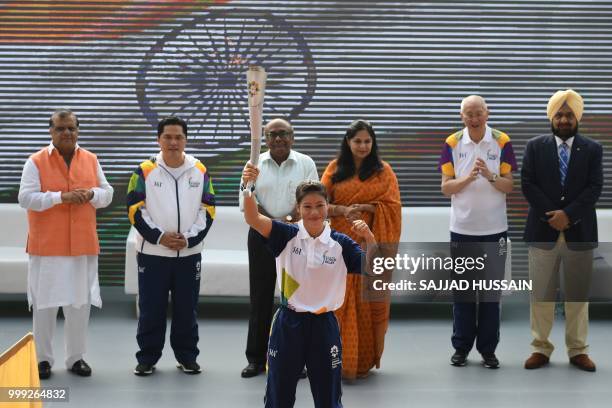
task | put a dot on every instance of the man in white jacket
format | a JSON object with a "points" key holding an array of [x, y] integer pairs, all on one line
{"points": [[171, 203]]}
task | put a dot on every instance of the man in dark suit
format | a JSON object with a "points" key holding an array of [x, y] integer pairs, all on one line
{"points": [[562, 178]]}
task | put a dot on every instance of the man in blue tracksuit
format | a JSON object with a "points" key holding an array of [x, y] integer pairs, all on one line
{"points": [[171, 203]]}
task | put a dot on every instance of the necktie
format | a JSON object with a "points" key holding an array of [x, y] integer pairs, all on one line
{"points": [[563, 161]]}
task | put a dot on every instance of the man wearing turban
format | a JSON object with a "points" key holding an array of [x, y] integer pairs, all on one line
{"points": [[562, 178]]}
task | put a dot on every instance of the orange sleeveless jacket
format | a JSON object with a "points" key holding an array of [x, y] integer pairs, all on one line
{"points": [[64, 229]]}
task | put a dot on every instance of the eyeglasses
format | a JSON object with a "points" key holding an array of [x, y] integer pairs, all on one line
{"points": [[283, 134], [61, 129]]}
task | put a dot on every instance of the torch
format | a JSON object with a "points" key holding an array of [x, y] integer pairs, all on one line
{"points": [[256, 82]]}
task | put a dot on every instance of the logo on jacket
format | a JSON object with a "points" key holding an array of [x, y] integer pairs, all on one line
{"points": [[335, 356], [193, 184], [330, 260], [502, 246], [157, 184], [491, 156], [296, 250]]}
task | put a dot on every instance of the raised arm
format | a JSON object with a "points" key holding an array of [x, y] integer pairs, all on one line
{"points": [[257, 221], [361, 229]]}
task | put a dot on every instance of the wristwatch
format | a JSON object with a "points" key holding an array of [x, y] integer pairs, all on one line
{"points": [[243, 187], [494, 178]]}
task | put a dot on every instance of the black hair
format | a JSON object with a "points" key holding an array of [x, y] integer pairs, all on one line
{"points": [[171, 120], [573, 132], [310, 186], [62, 113], [345, 163]]}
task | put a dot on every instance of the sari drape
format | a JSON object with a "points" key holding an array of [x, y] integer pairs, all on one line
{"points": [[363, 322]]}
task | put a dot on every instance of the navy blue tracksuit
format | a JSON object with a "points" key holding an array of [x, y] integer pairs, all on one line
{"points": [[158, 276], [312, 279], [299, 338], [476, 315]]}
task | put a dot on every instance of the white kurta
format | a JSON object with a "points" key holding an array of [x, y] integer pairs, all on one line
{"points": [[61, 280]]}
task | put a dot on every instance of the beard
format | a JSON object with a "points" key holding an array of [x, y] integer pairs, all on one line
{"points": [[564, 134]]}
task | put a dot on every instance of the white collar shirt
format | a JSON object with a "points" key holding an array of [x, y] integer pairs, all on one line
{"points": [[311, 272], [568, 142], [275, 187], [478, 209]]}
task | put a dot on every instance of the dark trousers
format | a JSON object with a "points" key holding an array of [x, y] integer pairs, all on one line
{"points": [[262, 281], [158, 276], [476, 314], [304, 338]]}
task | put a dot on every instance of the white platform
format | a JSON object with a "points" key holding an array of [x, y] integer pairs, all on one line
{"points": [[225, 260], [13, 257]]}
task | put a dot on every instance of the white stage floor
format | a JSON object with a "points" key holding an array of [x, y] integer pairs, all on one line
{"points": [[415, 369]]}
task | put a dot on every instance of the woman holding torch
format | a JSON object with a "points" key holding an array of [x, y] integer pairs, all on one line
{"points": [[312, 261]]}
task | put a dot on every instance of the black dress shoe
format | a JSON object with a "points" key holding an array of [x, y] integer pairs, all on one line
{"points": [[304, 373], [81, 368], [252, 370], [459, 359], [44, 370]]}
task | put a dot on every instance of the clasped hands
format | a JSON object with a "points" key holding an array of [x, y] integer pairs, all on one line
{"points": [[558, 220], [351, 212], [480, 167], [173, 240], [78, 196]]}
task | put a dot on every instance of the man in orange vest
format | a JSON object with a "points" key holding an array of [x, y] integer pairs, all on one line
{"points": [[62, 185]]}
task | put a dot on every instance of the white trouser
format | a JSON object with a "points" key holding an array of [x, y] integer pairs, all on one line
{"points": [[75, 332]]}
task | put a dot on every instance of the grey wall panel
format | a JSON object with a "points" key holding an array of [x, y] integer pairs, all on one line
{"points": [[402, 65]]}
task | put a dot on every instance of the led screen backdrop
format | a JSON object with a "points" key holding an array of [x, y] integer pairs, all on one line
{"points": [[405, 66]]}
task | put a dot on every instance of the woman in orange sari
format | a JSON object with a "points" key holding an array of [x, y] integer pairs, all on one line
{"points": [[362, 186]]}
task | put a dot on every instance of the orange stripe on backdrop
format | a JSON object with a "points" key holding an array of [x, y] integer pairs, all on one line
{"points": [[76, 21]]}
